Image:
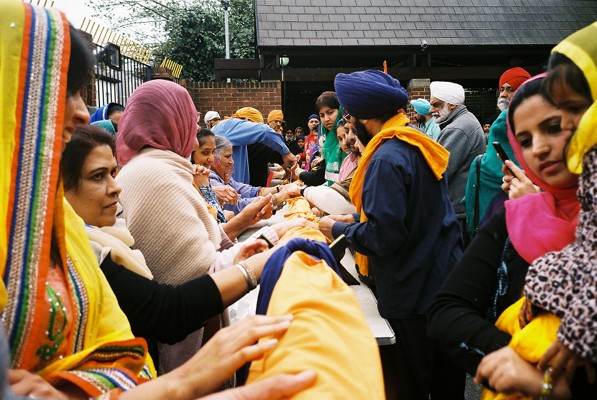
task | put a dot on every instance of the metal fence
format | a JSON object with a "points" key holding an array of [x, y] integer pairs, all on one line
{"points": [[113, 85]]}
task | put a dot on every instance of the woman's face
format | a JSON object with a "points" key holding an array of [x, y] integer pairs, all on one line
{"points": [[571, 103], [328, 116], [341, 136], [543, 142], [204, 154], [224, 164], [96, 198], [75, 114]]}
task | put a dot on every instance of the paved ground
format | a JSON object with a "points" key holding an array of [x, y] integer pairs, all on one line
{"points": [[471, 391]]}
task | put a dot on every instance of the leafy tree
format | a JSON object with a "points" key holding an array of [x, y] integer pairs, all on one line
{"points": [[190, 33]]}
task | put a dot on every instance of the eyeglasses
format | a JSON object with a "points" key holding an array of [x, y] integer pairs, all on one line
{"points": [[346, 118]]}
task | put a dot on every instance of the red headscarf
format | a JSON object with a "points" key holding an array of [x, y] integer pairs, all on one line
{"points": [[542, 222], [514, 77], [159, 114]]}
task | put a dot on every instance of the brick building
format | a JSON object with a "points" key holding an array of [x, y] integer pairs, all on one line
{"points": [[466, 41]]}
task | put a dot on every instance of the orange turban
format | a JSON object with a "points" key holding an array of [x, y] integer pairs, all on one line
{"points": [[275, 114], [250, 114], [514, 77]]}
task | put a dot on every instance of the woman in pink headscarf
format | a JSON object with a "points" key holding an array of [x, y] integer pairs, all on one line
{"points": [[163, 208]]}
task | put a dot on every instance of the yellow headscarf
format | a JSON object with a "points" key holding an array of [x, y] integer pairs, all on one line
{"points": [[40, 231], [434, 153], [581, 49], [250, 114]]}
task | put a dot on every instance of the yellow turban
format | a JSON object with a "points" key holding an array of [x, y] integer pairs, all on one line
{"points": [[249, 113], [275, 114]]}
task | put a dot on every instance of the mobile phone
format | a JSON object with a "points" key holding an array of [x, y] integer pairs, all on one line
{"points": [[503, 156]]}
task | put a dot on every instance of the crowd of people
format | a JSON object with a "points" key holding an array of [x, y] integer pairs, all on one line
{"points": [[123, 244]]}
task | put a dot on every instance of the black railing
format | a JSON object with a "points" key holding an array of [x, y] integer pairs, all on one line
{"points": [[116, 86]]}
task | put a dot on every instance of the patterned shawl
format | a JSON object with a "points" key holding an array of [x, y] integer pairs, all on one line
{"points": [[96, 350]]}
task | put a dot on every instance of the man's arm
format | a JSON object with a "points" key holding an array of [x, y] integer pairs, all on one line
{"points": [[244, 133]]}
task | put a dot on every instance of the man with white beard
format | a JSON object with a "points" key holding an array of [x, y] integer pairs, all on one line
{"points": [[462, 135], [510, 81]]}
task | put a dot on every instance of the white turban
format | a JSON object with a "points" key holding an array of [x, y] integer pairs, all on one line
{"points": [[449, 92]]}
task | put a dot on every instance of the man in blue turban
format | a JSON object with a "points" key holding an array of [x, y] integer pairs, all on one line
{"points": [[405, 231], [424, 119]]}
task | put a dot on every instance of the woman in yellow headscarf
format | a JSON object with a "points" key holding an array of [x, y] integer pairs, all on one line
{"points": [[61, 318]]}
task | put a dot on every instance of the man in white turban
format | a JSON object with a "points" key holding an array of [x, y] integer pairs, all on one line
{"points": [[462, 135]]}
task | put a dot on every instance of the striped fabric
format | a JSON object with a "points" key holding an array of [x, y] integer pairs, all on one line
{"points": [[40, 232]]}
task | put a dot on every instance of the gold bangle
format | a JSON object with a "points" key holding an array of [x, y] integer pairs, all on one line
{"points": [[546, 391], [250, 276]]}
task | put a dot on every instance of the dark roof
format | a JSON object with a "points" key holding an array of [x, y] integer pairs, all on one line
{"points": [[408, 22]]}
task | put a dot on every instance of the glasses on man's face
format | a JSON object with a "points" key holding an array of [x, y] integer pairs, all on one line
{"points": [[346, 118]]}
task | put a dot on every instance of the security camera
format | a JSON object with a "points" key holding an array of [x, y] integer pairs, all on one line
{"points": [[424, 44]]}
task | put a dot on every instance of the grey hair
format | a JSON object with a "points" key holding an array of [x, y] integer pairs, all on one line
{"points": [[221, 144]]}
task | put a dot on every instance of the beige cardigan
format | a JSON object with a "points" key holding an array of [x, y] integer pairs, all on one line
{"points": [[169, 218]]}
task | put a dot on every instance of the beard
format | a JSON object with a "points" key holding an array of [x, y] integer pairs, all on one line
{"points": [[362, 133], [503, 103], [442, 114]]}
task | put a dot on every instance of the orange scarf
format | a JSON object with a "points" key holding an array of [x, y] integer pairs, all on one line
{"points": [[435, 155]]}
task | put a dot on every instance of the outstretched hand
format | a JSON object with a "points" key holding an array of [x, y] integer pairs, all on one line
{"points": [[250, 249], [276, 387], [226, 194]]}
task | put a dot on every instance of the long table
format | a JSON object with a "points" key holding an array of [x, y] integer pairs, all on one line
{"points": [[379, 326]]}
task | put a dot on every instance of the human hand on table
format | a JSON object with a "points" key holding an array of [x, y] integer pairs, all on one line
{"points": [[516, 185], [226, 194], [260, 208], [250, 249], [325, 226], [282, 227], [293, 190], [562, 360], [276, 387]]}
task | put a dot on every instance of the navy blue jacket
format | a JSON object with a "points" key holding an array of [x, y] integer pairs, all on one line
{"points": [[411, 236]]}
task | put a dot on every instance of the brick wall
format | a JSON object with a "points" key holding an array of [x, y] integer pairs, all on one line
{"points": [[226, 98], [417, 89]]}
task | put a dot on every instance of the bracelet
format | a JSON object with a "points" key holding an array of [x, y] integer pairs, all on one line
{"points": [[249, 275], [278, 189], [546, 391]]}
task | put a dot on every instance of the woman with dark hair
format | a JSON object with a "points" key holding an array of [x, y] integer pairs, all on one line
{"points": [[485, 286], [157, 312], [330, 113], [61, 317], [563, 282]]}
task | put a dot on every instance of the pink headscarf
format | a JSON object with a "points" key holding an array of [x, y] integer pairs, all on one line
{"points": [[159, 114], [542, 222]]}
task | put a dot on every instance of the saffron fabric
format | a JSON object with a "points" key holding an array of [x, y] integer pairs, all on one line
{"points": [[275, 114], [326, 317], [44, 249]]}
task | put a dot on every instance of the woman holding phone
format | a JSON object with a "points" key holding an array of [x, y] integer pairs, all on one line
{"points": [[491, 274]]}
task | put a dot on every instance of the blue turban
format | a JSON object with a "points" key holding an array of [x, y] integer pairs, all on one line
{"points": [[421, 106], [313, 116], [370, 94]]}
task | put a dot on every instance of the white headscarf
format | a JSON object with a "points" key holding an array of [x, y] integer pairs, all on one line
{"points": [[449, 92]]}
